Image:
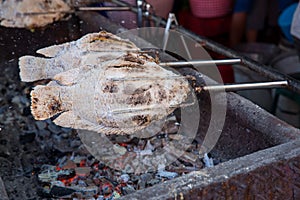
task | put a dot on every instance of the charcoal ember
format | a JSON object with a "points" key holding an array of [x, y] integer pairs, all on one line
{"points": [[26, 111], [20, 101], [153, 181], [156, 142], [58, 191], [161, 135], [97, 179], [75, 143], [62, 145], [135, 178], [144, 178], [3, 109], [79, 159], [54, 128], [4, 165], [68, 164], [64, 135], [49, 173], [27, 137], [176, 137], [100, 197], [3, 193], [128, 189], [82, 150], [107, 188], [27, 163], [41, 125], [81, 183], [166, 174], [119, 149], [115, 195], [66, 130], [208, 161], [83, 171], [107, 173], [130, 148], [149, 163], [58, 183], [3, 141], [85, 192], [123, 139], [141, 145], [124, 178], [4, 151], [170, 127], [44, 133]]}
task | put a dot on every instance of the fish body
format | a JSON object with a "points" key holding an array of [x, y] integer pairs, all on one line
{"points": [[122, 95]]}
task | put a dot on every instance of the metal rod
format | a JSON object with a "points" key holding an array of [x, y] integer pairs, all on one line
{"points": [[112, 8], [246, 86], [201, 62], [45, 13], [139, 4], [77, 9], [152, 78]]}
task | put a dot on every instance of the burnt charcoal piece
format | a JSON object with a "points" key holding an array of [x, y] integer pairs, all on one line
{"points": [[27, 138], [57, 191]]}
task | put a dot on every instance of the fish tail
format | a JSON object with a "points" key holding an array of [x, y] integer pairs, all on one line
{"points": [[33, 68], [45, 102]]}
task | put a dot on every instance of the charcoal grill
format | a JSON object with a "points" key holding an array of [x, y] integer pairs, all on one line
{"points": [[259, 154]]}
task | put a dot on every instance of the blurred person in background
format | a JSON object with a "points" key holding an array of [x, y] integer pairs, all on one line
{"points": [[239, 20], [210, 18], [251, 16], [295, 29]]}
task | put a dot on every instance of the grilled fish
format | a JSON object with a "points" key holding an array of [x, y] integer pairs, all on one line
{"points": [[13, 12], [121, 95]]}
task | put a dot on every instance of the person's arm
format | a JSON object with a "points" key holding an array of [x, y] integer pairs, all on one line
{"points": [[238, 22]]}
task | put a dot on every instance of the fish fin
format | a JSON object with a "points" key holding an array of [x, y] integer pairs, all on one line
{"points": [[54, 50], [8, 23], [67, 119], [45, 102], [68, 77], [91, 37], [32, 68], [70, 119]]}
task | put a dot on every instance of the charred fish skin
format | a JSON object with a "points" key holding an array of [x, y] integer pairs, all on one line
{"points": [[118, 96]]}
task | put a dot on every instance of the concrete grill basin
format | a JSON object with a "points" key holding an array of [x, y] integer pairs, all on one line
{"points": [[257, 155]]}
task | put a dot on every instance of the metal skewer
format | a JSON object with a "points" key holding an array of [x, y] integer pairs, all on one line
{"points": [[215, 88], [246, 86], [112, 8], [77, 9], [201, 62]]}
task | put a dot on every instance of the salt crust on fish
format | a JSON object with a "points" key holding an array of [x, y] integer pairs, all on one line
{"points": [[12, 12], [119, 94]]}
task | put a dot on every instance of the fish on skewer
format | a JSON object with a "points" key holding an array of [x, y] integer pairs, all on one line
{"points": [[121, 95], [90, 50], [11, 12]]}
